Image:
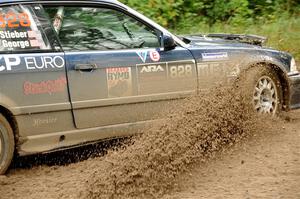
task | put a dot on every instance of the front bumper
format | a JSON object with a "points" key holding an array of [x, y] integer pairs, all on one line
{"points": [[294, 80]]}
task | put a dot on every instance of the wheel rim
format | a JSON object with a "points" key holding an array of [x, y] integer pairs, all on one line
{"points": [[265, 97]]}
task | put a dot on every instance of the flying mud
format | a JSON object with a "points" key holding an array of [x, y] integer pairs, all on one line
{"points": [[148, 165]]}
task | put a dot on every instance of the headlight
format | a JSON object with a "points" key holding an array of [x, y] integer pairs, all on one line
{"points": [[293, 65]]}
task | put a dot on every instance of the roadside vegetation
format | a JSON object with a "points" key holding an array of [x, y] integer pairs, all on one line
{"points": [[279, 20]]}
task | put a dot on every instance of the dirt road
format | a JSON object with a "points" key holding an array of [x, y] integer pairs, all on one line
{"points": [[265, 165]]}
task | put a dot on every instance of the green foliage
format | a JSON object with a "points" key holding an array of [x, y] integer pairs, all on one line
{"points": [[174, 13], [279, 20]]}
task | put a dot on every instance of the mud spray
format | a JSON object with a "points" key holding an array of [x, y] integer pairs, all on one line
{"points": [[193, 131]]}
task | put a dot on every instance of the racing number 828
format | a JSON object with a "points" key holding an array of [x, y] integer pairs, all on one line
{"points": [[181, 71], [10, 20]]}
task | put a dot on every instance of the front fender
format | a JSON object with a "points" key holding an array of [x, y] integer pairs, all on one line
{"points": [[273, 58], [281, 66], [8, 103]]}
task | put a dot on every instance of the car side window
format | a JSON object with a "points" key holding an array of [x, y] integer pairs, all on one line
{"points": [[88, 28], [26, 28]]}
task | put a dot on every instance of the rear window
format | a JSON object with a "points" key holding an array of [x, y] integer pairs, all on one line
{"points": [[25, 28]]}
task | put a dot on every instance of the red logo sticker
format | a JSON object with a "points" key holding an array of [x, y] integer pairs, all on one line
{"points": [[43, 87], [155, 56]]}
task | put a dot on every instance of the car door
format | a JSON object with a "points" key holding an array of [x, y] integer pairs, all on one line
{"points": [[33, 83], [117, 69]]}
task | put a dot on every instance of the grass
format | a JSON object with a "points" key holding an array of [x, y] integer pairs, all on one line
{"points": [[283, 33]]}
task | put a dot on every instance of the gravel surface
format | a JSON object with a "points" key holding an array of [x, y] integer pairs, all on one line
{"points": [[210, 147]]}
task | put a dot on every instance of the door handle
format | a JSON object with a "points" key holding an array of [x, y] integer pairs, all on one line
{"points": [[85, 67]]}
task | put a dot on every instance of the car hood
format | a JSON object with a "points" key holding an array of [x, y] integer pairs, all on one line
{"points": [[224, 40]]}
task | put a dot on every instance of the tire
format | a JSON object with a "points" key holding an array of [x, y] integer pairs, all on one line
{"points": [[263, 89], [7, 144]]}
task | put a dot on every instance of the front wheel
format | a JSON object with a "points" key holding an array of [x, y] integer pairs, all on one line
{"points": [[264, 90], [7, 144]]}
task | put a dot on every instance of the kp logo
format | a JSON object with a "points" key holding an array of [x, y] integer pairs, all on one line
{"points": [[143, 55], [9, 60]]}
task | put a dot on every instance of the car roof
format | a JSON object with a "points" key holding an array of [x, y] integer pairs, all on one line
{"points": [[37, 1]]}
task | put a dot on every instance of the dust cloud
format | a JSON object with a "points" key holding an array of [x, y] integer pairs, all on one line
{"points": [[193, 131], [148, 165]]}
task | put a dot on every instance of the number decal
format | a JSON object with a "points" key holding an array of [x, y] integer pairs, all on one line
{"points": [[12, 20], [24, 20], [2, 21], [173, 72], [181, 71]]}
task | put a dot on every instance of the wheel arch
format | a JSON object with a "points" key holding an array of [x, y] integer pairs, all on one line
{"points": [[282, 76], [11, 119]]}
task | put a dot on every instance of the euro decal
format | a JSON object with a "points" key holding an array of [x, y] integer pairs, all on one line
{"points": [[39, 63], [119, 82], [18, 63]]}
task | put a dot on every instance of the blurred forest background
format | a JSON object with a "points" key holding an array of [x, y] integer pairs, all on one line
{"points": [[279, 20]]}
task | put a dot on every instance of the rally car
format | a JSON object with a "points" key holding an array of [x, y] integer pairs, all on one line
{"points": [[76, 72]]}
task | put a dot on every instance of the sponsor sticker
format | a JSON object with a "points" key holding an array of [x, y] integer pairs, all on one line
{"points": [[119, 82], [180, 70], [214, 56], [155, 56], [44, 62], [12, 62], [151, 78], [46, 121], [13, 39], [45, 87], [217, 69], [152, 68], [20, 39], [13, 35], [32, 34], [143, 55], [14, 20], [165, 77], [17, 32], [35, 43]]}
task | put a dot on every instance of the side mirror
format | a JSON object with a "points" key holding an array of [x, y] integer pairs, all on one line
{"points": [[168, 42]]}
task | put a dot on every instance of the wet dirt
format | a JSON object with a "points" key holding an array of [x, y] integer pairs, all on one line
{"points": [[211, 146]]}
